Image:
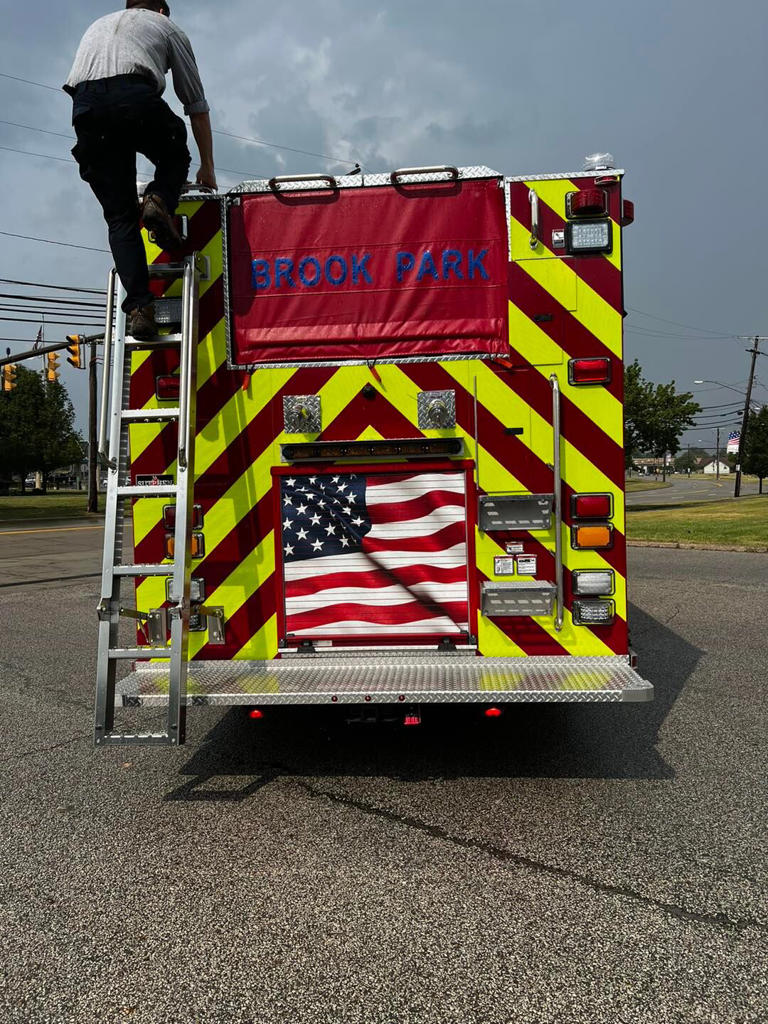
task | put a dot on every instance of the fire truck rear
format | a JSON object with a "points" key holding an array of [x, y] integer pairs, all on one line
{"points": [[377, 458]]}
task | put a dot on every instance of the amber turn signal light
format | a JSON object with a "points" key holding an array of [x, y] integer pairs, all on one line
{"points": [[592, 538]]}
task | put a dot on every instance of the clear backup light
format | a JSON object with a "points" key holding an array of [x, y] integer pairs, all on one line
{"points": [[585, 236], [593, 613], [593, 581]]}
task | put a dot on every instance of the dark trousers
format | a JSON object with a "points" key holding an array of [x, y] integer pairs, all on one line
{"points": [[114, 119]]}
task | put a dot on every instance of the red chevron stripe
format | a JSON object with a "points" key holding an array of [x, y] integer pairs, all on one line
{"points": [[378, 413], [564, 329], [595, 270], [249, 618], [576, 427]]}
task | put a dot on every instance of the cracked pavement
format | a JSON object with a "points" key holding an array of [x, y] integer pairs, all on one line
{"points": [[567, 864]]}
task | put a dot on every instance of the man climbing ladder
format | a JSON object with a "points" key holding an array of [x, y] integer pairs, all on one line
{"points": [[116, 84]]}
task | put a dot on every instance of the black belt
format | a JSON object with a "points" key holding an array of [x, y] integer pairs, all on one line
{"points": [[107, 84]]}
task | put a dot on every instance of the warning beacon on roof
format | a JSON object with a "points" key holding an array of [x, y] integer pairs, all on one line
{"points": [[374, 272]]}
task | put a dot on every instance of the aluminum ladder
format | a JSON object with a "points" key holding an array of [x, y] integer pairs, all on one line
{"points": [[114, 451]]}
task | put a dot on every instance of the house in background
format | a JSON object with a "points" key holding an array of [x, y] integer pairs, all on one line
{"points": [[711, 468]]}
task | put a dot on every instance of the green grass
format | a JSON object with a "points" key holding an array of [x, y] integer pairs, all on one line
{"points": [[741, 522], [644, 485], [56, 505]]}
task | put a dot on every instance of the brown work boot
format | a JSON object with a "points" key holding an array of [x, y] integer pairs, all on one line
{"points": [[141, 322], [159, 223]]}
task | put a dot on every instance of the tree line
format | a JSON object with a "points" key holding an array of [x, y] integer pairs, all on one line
{"points": [[656, 416], [37, 429]]}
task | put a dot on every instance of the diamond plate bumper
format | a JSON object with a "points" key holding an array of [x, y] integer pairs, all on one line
{"points": [[380, 679]]}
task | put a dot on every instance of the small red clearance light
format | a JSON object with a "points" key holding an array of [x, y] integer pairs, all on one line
{"points": [[589, 371], [591, 506], [167, 388], [627, 212], [493, 712], [255, 713]]}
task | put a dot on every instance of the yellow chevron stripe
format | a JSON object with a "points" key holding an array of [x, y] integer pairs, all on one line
{"points": [[598, 404], [555, 275], [235, 591]]}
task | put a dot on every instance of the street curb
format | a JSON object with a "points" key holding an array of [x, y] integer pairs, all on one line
{"points": [[693, 546]]}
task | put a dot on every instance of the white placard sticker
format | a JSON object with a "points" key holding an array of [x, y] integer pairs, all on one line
{"points": [[514, 547], [526, 565], [504, 566]]}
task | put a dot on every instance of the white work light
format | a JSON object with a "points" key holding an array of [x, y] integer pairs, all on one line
{"points": [[592, 581], [593, 613], [584, 236]]}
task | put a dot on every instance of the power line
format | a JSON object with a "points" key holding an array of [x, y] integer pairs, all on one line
{"points": [[45, 156], [677, 323], [71, 303], [64, 323], [51, 241], [31, 128], [56, 287], [242, 138]]}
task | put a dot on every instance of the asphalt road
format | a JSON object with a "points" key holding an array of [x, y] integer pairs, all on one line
{"points": [[681, 488], [565, 864]]}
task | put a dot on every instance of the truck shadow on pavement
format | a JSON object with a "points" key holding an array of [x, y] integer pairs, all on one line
{"points": [[611, 741]]}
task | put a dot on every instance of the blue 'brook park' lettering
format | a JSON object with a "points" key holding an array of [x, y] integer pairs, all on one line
{"points": [[408, 267]]}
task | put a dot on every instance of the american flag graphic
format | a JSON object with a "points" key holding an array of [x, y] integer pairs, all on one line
{"points": [[382, 554], [733, 442]]}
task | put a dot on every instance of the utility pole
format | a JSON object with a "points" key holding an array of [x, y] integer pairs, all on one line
{"points": [[717, 455], [93, 468], [745, 418]]}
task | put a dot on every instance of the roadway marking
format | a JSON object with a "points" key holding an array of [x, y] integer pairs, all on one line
{"points": [[50, 529]]}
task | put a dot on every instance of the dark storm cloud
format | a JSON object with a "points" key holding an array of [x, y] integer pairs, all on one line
{"points": [[674, 89]]}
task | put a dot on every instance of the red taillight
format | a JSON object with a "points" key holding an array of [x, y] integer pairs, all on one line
{"points": [[587, 202], [627, 212], [591, 506], [167, 388], [169, 517], [493, 712], [255, 713], [412, 720], [589, 371]]}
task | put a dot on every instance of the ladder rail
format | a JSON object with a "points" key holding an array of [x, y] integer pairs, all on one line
{"points": [[114, 425]]}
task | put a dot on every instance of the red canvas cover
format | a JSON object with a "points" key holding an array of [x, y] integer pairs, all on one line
{"points": [[367, 273]]}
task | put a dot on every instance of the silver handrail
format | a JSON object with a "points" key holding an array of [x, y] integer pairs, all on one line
{"points": [[533, 199], [105, 374], [558, 488], [282, 179], [409, 171], [187, 316]]}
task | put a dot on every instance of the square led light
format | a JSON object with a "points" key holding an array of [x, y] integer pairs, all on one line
{"points": [[593, 581], [593, 613], [589, 236]]}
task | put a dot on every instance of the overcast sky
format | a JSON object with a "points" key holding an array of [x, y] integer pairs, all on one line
{"points": [[675, 89]]}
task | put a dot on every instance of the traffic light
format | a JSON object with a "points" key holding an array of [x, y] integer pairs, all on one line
{"points": [[75, 349], [52, 373], [9, 377]]}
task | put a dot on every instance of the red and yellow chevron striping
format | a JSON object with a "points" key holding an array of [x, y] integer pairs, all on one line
{"points": [[559, 309]]}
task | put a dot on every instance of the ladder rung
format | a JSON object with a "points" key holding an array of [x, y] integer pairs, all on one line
{"points": [[158, 341], [143, 570], [138, 653], [150, 415], [166, 269], [139, 738], [147, 492]]}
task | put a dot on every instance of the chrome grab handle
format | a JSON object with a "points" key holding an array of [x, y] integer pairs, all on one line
{"points": [[105, 374], [282, 179], [558, 489], [533, 199], [408, 171], [187, 319]]}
